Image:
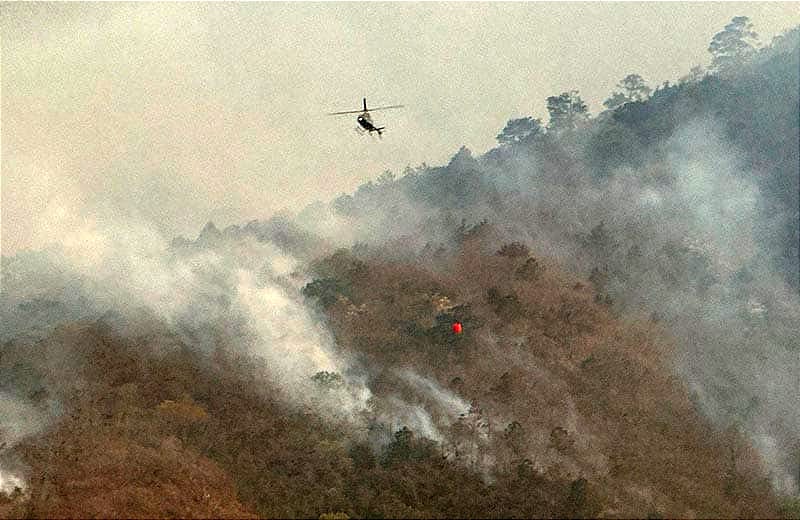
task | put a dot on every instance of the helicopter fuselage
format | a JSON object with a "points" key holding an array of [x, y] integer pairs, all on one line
{"points": [[366, 123]]}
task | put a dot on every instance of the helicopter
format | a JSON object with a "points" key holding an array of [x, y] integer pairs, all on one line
{"points": [[365, 120]]}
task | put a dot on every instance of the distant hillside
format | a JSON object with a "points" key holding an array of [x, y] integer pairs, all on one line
{"points": [[679, 203], [537, 181], [628, 343]]}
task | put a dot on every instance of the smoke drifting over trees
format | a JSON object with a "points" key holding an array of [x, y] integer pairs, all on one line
{"points": [[627, 284], [682, 201]]}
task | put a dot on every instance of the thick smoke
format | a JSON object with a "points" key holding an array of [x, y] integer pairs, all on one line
{"points": [[678, 237], [242, 288], [20, 419], [223, 290], [448, 402], [428, 409], [673, 236], [243, 295]]}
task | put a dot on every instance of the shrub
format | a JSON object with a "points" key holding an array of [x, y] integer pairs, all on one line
{"points": [[577, 495], [530, 271], [442, 332], [406, 447], [560, 440], [328, 379], [326, 291], [514, 250], [507, 307]]}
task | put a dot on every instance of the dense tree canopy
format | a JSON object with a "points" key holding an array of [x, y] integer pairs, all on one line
{"points": [[520, 130], [733, 45], [632, 88], [567, 111]]}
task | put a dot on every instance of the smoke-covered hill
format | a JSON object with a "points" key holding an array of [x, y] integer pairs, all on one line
{"points": [[681, 206], [628, 294], [214, 389]]}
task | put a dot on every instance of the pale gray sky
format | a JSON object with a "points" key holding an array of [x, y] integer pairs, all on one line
{"points": [[180, 113]]}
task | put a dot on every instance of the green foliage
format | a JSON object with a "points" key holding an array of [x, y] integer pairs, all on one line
{"points": [[442, 333], [328, 379], [633, 89], [560, 439], [696, 74], [755, 109], [337, 273], [567, 111], [405, 447], [325, 290], [385, 178], [521, 130], [344, 205], [603, 299], [689, 267], [617, 99], [342, 264], [613, 145], [734, 45]]}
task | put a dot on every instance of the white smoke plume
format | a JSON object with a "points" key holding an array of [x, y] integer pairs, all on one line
{"points": [[238, 290], [679, 231], [242, 291], [18, 419], [448, 402]]}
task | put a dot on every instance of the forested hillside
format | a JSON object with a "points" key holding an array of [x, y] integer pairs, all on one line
{"points": [[679, 204], [626, 285]]}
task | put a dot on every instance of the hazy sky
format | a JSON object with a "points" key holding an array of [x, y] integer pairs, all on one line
{"points": [[180, 113]]}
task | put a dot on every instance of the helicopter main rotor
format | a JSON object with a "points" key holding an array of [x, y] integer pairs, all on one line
{"points": [[365, 109]]}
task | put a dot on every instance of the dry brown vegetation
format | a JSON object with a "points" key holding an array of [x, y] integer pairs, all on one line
{"points": [[579, 411]]}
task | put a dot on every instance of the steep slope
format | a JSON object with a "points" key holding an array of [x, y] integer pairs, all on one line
{"points": [[683, 206], [571, 410], [564, 386], [629, 343]]}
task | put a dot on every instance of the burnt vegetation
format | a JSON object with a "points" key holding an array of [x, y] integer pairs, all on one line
{"points": [[573, 407], [151, 427]]}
